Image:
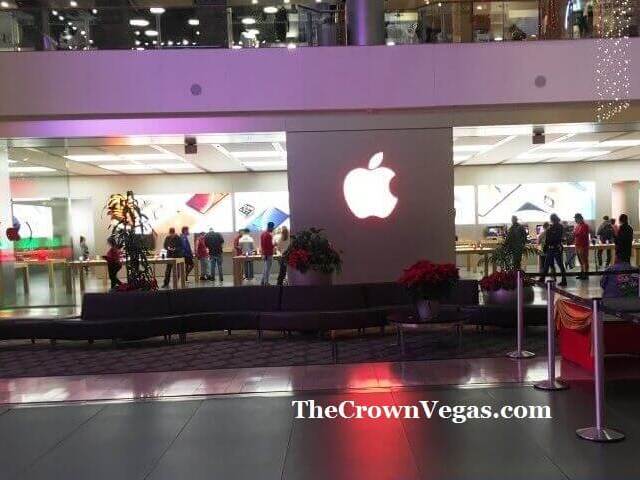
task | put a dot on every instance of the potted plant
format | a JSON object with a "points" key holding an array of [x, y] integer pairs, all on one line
{"points": [[500, 286], [311, 259], [427, 284], [128, 225]]}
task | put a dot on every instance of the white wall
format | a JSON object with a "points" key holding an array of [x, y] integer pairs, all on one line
{"points": [[604, 174], [158, 82]]}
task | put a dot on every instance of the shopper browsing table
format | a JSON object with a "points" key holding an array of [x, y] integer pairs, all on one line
{"points": [[246, 249], [187, 252], [266, 248], [581, 241], [114, 263], [282, 242], [202, 254], [553, 249], [173, 246], [624, 240], [606, 235], [214, 242]]}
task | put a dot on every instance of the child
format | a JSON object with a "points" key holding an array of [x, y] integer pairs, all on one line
{"points": [[114, 264]]}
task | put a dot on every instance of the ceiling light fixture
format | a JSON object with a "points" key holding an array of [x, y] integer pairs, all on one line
{"points": [[157, 10], [73, 3], [270, 10], [4, 4], [259, 154], [30, 169], [194, 22], [151, 33], [248, 21], [271, 164], [139, 22]]}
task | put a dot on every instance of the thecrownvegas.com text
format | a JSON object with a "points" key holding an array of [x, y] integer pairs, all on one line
{"points": [[424, 409]]}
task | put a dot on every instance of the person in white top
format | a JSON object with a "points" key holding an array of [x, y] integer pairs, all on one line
{"points": [[246, 245], [281, 241]]}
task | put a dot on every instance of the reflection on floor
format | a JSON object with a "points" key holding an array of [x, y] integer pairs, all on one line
{"points": [[257, 437], [42, 296]]}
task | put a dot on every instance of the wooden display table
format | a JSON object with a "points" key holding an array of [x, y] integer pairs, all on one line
{"points": [[50, 264], [78, 268], [482, 251], [238, 266]]}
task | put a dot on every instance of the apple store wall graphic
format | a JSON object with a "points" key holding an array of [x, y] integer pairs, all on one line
{"points": [[367, 192]]}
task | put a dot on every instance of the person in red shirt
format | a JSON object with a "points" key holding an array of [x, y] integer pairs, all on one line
{"points": [[581, 236], [114, 263], [266, 249], [202, 254]]}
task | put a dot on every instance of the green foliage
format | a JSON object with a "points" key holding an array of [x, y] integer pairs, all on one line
{"points": [[317, 251], [504, 255]]}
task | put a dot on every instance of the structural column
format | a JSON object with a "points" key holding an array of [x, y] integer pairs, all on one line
{"points": [[7, 270], [365, 22]]}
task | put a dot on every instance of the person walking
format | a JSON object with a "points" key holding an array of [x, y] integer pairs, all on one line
{"points": [[606, 236], [246, 249], [581, 241], [84, 253], [541, 239], [173, 246], [516, 240], [202, 254], [214, 242], [187, 252], [553, 249], [624, 240], [615, 227], [282, 242], [114, 262], [266, 250]]}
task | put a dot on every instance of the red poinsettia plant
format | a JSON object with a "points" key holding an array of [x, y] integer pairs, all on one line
{"points": [[429, 281], [138, 286], [500, 280], [299, 259]]}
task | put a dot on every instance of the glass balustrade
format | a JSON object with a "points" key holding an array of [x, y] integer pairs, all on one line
{"points": [[249, 24]]}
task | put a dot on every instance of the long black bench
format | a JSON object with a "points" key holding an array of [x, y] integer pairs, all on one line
{"points": [[136, 315]]}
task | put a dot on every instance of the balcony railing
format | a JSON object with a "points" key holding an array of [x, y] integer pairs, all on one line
{"points": [[82, 26]]}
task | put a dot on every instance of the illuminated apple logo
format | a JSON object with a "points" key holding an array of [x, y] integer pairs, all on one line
{"points": [[367, 190]]}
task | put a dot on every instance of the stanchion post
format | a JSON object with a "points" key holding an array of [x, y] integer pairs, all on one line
{"points": [[599, 433], [519, 352], [551, 383]]}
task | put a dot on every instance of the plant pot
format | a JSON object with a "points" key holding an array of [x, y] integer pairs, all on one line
{"points": [[428, 310], [507, 297], [310, 277]]}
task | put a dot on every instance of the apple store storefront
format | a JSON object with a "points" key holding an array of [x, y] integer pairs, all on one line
{"points": [[383, 198]]}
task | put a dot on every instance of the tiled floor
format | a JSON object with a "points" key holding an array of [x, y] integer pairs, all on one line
{"points": [[258, 437], [367, 376]]}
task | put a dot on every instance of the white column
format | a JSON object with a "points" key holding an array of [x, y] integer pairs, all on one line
{"points": [[7, 271]]}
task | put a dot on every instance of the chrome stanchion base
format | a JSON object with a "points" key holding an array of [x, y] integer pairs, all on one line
{"points": [[551, 385], [520, 355], [594, 434]]}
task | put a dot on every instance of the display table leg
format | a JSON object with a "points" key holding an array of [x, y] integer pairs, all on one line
{"points": [[26, 281], [68, 278], [183, 275], [175, 276], [82, 280], [237, 273], [52, 276]]}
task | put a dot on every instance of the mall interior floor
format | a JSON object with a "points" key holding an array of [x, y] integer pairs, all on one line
{"points": [[256, 436]]}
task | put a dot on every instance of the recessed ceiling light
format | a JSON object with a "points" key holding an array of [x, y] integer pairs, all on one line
{"points": [[94, 11], [253, 31], [4, 4], [470, 148], [268, 164], [54, 12], [259, 154], [92, 158], [151, 33], [194, 22], [576, 154], [248, 21], [157, 10], [620, 143], [569, 145], [30, 169], [139, 22], [73, 3], [270, 9]]}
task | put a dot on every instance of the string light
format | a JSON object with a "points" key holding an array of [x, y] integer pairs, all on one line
{"points": [[613, 67]]}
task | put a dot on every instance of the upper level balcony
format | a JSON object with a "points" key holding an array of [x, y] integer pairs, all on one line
{"points": [[239, 24]]}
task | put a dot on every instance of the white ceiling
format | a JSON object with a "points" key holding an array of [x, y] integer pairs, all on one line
{"points": [[563, 143], [151, 155]]}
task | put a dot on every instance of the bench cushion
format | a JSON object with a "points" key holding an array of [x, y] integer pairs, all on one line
{"points": [[327, 320], [322, 298], [106, 306], [204, 322], [229, 299]]}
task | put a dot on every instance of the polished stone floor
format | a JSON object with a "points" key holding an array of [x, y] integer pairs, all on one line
{"points": [[256, 437]]}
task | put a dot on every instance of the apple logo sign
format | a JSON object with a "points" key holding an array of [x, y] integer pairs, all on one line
{"points": [[367, 192]]}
